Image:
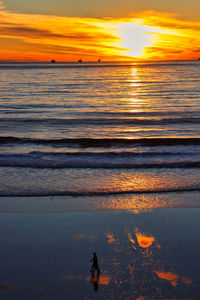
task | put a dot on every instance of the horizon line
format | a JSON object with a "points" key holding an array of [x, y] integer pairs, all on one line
{"points": [[96, 61]]}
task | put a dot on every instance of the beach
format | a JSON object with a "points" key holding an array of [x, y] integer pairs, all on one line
{"points": [[105, 158], [143, 255]]}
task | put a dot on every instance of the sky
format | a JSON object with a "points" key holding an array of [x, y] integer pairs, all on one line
{"points": [[110, 30]]}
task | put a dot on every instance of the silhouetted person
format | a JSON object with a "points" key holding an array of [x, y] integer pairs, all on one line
{"points": [[95, 265]]}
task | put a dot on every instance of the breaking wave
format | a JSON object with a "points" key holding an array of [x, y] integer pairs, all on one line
{"points": [[110, 160], [102, 142], [97, 193]]}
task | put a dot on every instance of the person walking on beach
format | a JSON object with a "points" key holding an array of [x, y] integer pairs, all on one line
{"points": [[95, 265]]}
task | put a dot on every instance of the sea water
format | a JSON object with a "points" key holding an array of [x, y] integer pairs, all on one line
{"points": [[101, 131]]}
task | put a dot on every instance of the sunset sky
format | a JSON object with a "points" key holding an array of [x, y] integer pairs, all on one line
{"points": [[69, 30]]}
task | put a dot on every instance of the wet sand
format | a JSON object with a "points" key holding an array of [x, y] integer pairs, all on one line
{"points": [[145, 255]]}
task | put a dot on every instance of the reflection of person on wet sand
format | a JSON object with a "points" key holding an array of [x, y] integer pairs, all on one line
{"points": [[95, 265], [95, 280]]}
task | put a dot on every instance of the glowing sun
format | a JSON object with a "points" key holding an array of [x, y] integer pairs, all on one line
{"points": [[135, 38]]}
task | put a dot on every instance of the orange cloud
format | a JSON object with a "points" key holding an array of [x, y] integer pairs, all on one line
{"points": [[165, 20], [66, 38], [148, 35], [173, 39]]}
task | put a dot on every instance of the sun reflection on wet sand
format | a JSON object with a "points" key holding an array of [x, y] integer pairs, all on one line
{"points": [[72, 277], [145, 202], [110, 238], [78, 236], [131, 240], [4, 286], [187, 280], [140, 268], [171, 277], [143, 240], [140, 256], [102, 279]]}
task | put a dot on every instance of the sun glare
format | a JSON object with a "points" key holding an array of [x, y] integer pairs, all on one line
{"points": [[134, 38]]}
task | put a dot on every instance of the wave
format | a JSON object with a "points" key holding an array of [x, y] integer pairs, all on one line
{"points": [[103, 121], [102, 142], [98, 193], [106, 160]]}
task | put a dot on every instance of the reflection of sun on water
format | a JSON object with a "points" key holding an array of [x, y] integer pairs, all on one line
{"points": [[133, 101]]}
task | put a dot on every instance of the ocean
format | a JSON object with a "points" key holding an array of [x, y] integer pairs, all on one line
{"points": [[101, 135]]}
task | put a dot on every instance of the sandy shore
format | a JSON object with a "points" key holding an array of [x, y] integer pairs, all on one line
{"points": [[147, 255]]}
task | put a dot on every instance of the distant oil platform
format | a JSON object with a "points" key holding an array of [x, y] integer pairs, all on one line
{"points": [[80, 60]]}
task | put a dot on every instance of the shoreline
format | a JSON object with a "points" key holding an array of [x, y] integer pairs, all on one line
{"points": [[133, 202]]}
